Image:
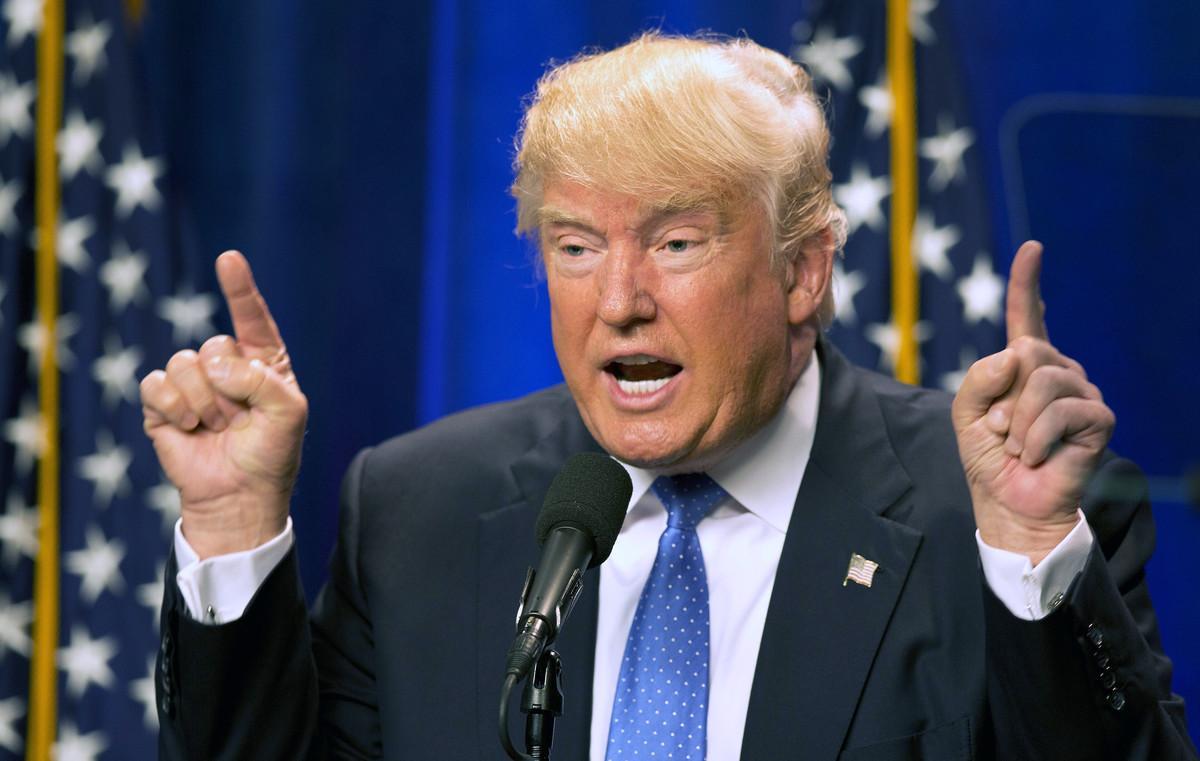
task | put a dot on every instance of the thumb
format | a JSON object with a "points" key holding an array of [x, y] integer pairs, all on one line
{"points": [[1025, 312], [987, 380], [252, 382]]}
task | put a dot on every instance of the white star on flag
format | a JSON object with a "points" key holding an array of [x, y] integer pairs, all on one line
{"points": [[133, 181], [18, 530], [98, 565], [85, 661], [165, 499], [142, 690], [190, 315], [15, 101], [10, 194], [846, 286], [106, 469], [932, 245], [116, 371], [887, 338], [918, 21], [27, 434], [78, 146], [877, 99], [72, 746], [32, 338], [952, 380], [15, 618], [11, 709], [945, 150], [150, 594], [861, 197], [123, 275], [982, 292], [24, 18], [826, 57], [71, 240], [86, 48]]}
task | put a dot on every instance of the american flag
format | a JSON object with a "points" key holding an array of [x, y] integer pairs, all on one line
{"points": [[860, 571], [124, 305], [843, 46]]}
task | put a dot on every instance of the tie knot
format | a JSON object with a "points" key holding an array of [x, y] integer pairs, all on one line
{"points": [[688, 498]]}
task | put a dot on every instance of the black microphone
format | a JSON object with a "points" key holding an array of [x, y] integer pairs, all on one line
{"points": [[580, 519]]}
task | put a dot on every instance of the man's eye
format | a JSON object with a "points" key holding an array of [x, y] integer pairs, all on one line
{"points": [[678, 246], [573, 250]]}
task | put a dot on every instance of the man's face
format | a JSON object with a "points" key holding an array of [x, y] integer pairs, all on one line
{"points": [[676, 337]]}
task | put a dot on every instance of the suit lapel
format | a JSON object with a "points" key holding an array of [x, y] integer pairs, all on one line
{"points": [[821, 635], [506, 549]]}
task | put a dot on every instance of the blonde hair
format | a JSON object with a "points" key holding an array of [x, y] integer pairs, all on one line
{"points": [[685, 122]]}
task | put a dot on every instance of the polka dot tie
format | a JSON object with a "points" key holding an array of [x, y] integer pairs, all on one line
{"points": [[661, 707]]}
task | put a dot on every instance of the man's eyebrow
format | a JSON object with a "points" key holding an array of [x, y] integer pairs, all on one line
{"points": [[552, 215], [654, 216], [659, 214]]}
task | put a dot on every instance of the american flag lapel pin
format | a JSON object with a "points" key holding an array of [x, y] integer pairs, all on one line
{"points": [[861, 570]]}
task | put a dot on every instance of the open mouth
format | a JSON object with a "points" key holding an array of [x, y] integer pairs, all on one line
{"points": [[641, 374]]}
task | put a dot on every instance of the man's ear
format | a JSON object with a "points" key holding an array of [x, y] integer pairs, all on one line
{"points": [[809, 272]]}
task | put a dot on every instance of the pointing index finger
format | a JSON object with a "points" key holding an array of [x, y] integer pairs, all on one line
{"points": [[1024, 309], [252, 321]]}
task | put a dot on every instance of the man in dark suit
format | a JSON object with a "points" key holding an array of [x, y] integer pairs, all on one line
{"points": [[679, 195]]}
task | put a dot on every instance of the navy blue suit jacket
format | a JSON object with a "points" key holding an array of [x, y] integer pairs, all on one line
{"points": [[402, 656]]}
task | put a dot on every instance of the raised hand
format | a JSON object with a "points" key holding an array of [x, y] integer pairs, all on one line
{"points": [[1030, 427], [227, 424]]}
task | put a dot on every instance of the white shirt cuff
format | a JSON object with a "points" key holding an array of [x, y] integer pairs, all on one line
{"points": [[218, 589], [1034, 593]]}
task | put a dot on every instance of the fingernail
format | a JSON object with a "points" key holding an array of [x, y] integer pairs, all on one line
{"points": [[997, 419], [218, 368], [190, 421], [217, 422], [1001, 361], [1012, 446]]}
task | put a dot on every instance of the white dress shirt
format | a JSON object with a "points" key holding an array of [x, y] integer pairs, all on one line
{"points": [[742, 540]]}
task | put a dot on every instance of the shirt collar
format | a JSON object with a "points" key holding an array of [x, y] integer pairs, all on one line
{"points": [[763, 473]]}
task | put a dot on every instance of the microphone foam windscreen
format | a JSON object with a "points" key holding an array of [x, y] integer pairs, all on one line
{"points": [[591, 493]]}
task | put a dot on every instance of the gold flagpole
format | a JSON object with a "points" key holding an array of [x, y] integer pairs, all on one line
{"points": [[905, 296], [43, 676]]}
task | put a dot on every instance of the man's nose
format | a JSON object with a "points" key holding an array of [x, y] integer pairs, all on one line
{"points": [[623, 281]]}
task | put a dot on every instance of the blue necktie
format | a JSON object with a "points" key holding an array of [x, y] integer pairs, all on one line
{"points": [[661, 707]]}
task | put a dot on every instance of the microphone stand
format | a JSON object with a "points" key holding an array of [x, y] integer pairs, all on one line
{"points": [[542, 702], [542, 698]]}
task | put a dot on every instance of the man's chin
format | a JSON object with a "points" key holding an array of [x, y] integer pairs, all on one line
{"points": [[650, 450]]}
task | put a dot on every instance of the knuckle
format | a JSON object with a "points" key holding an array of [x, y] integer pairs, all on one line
{"points": [[301, 405], [1043, 375], [1023, 345], [220, 344], [181, 360], [169, 399], [151, 382]]}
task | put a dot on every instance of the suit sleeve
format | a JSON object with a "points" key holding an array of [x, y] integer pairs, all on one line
{"points": [[274, 684], [1090, 681], [245, 689], [344, 641]]}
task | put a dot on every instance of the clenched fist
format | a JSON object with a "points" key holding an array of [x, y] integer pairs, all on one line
{"points": [[227, 424], [1031, 428]]}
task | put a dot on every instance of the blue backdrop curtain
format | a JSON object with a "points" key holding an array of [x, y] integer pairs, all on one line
{"points": [[360, 154]]}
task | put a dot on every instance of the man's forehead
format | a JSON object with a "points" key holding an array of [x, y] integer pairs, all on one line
{"points": [[582, 207]]}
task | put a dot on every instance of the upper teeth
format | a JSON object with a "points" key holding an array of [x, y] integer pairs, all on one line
{"points": [[637, 359]]}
